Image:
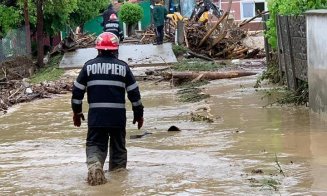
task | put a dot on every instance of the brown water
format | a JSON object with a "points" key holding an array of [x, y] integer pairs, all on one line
{"points": [[42, 153]]}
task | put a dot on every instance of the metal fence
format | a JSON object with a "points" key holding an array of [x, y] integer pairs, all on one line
{"points": [[13, 44]]}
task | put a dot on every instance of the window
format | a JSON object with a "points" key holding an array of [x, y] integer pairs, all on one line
{"points": [[259, 6], [249, 9]]}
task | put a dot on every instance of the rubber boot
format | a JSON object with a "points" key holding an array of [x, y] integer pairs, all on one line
{"points": [[95, 175]]}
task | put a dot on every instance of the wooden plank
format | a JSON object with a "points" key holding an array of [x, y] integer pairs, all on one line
{"points": [[291, 68], [281, 58], [265, 18]]}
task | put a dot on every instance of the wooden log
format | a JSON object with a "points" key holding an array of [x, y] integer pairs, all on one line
{"points": [[253, 53], [240, 51], [197, 78], [219, 38], [254, 17], [217, 24], [185, 37], [226, 50], [131, 41], [200, 56], [210, 75]]}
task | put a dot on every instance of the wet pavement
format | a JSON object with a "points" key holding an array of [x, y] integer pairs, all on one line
{"points": [[42, 153]]}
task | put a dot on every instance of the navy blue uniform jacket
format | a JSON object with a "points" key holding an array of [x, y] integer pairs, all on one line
{"points": [[106, 80]]}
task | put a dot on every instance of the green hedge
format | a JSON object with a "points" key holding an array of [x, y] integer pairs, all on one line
{"points": [[131, 13]]}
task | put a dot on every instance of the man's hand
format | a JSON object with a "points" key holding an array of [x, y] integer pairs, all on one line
{"points": [[139, 122], [77, 119]]}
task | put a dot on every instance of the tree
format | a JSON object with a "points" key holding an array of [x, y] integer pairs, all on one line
{"points": [[86, 10], [27, 27], [131, 13], [10, 18], [39, 33], [47, 16]]}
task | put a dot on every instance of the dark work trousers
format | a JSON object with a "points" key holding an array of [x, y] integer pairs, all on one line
{"points": [[97, 147], [160, 34]]}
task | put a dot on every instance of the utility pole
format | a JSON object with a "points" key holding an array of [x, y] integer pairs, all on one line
{"points": [[27, 28]]}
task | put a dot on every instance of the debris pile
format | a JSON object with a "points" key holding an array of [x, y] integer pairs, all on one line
{"points": [[16, 88], [16, 68], [223, 43], [73, 42], [18, 91], [221, 39]]}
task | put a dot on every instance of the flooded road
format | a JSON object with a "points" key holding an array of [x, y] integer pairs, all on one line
{"points": [[42, 153]]}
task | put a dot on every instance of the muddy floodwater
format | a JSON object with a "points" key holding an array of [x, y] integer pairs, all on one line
{"points": [[248, 149]]}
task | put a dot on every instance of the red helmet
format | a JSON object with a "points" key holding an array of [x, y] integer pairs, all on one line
{"points": [[107, 41], [113, 17]]}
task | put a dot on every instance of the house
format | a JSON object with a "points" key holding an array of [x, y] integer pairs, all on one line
{"points": [[245, 9]]}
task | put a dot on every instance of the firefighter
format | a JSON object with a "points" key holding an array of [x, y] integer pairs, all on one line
{"points": [[105, 79], [112, 26], [106, 14]]}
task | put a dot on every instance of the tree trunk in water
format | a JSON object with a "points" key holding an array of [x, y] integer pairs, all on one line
{"points": [[27, 28], [40, 34]]}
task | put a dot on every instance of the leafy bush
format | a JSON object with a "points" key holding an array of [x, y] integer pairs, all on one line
{"points": [[288, 7], [131, 13]]}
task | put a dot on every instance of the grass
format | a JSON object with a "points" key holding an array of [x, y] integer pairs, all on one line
{"points": [[194, 84], [191, 95], [270, 183], [271, 74], [50, 72], [198, 117], [190, 92], [179, 50], [196, 65], [284, 96]]}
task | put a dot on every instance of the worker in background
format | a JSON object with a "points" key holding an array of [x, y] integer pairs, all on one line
{"points": [[106, 79], [159, 17], [112, 26], [106, 14]]}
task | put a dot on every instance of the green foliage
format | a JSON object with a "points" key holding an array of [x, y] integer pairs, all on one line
{"points": [[288, 7], [191, 95], [196, 65], [56, 13], [86, 10], [50, 72], [131, 13], [179, 50], [284, 96], [271, 74], [10, 18]]}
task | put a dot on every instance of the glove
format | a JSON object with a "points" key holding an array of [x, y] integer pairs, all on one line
{"points": [[139, 122], [77, 119]]}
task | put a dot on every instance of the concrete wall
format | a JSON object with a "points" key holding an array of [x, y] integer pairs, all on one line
{"points": [[317, 60]]}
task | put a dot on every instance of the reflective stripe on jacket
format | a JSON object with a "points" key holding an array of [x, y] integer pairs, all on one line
{"points": [[106, 80]]}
